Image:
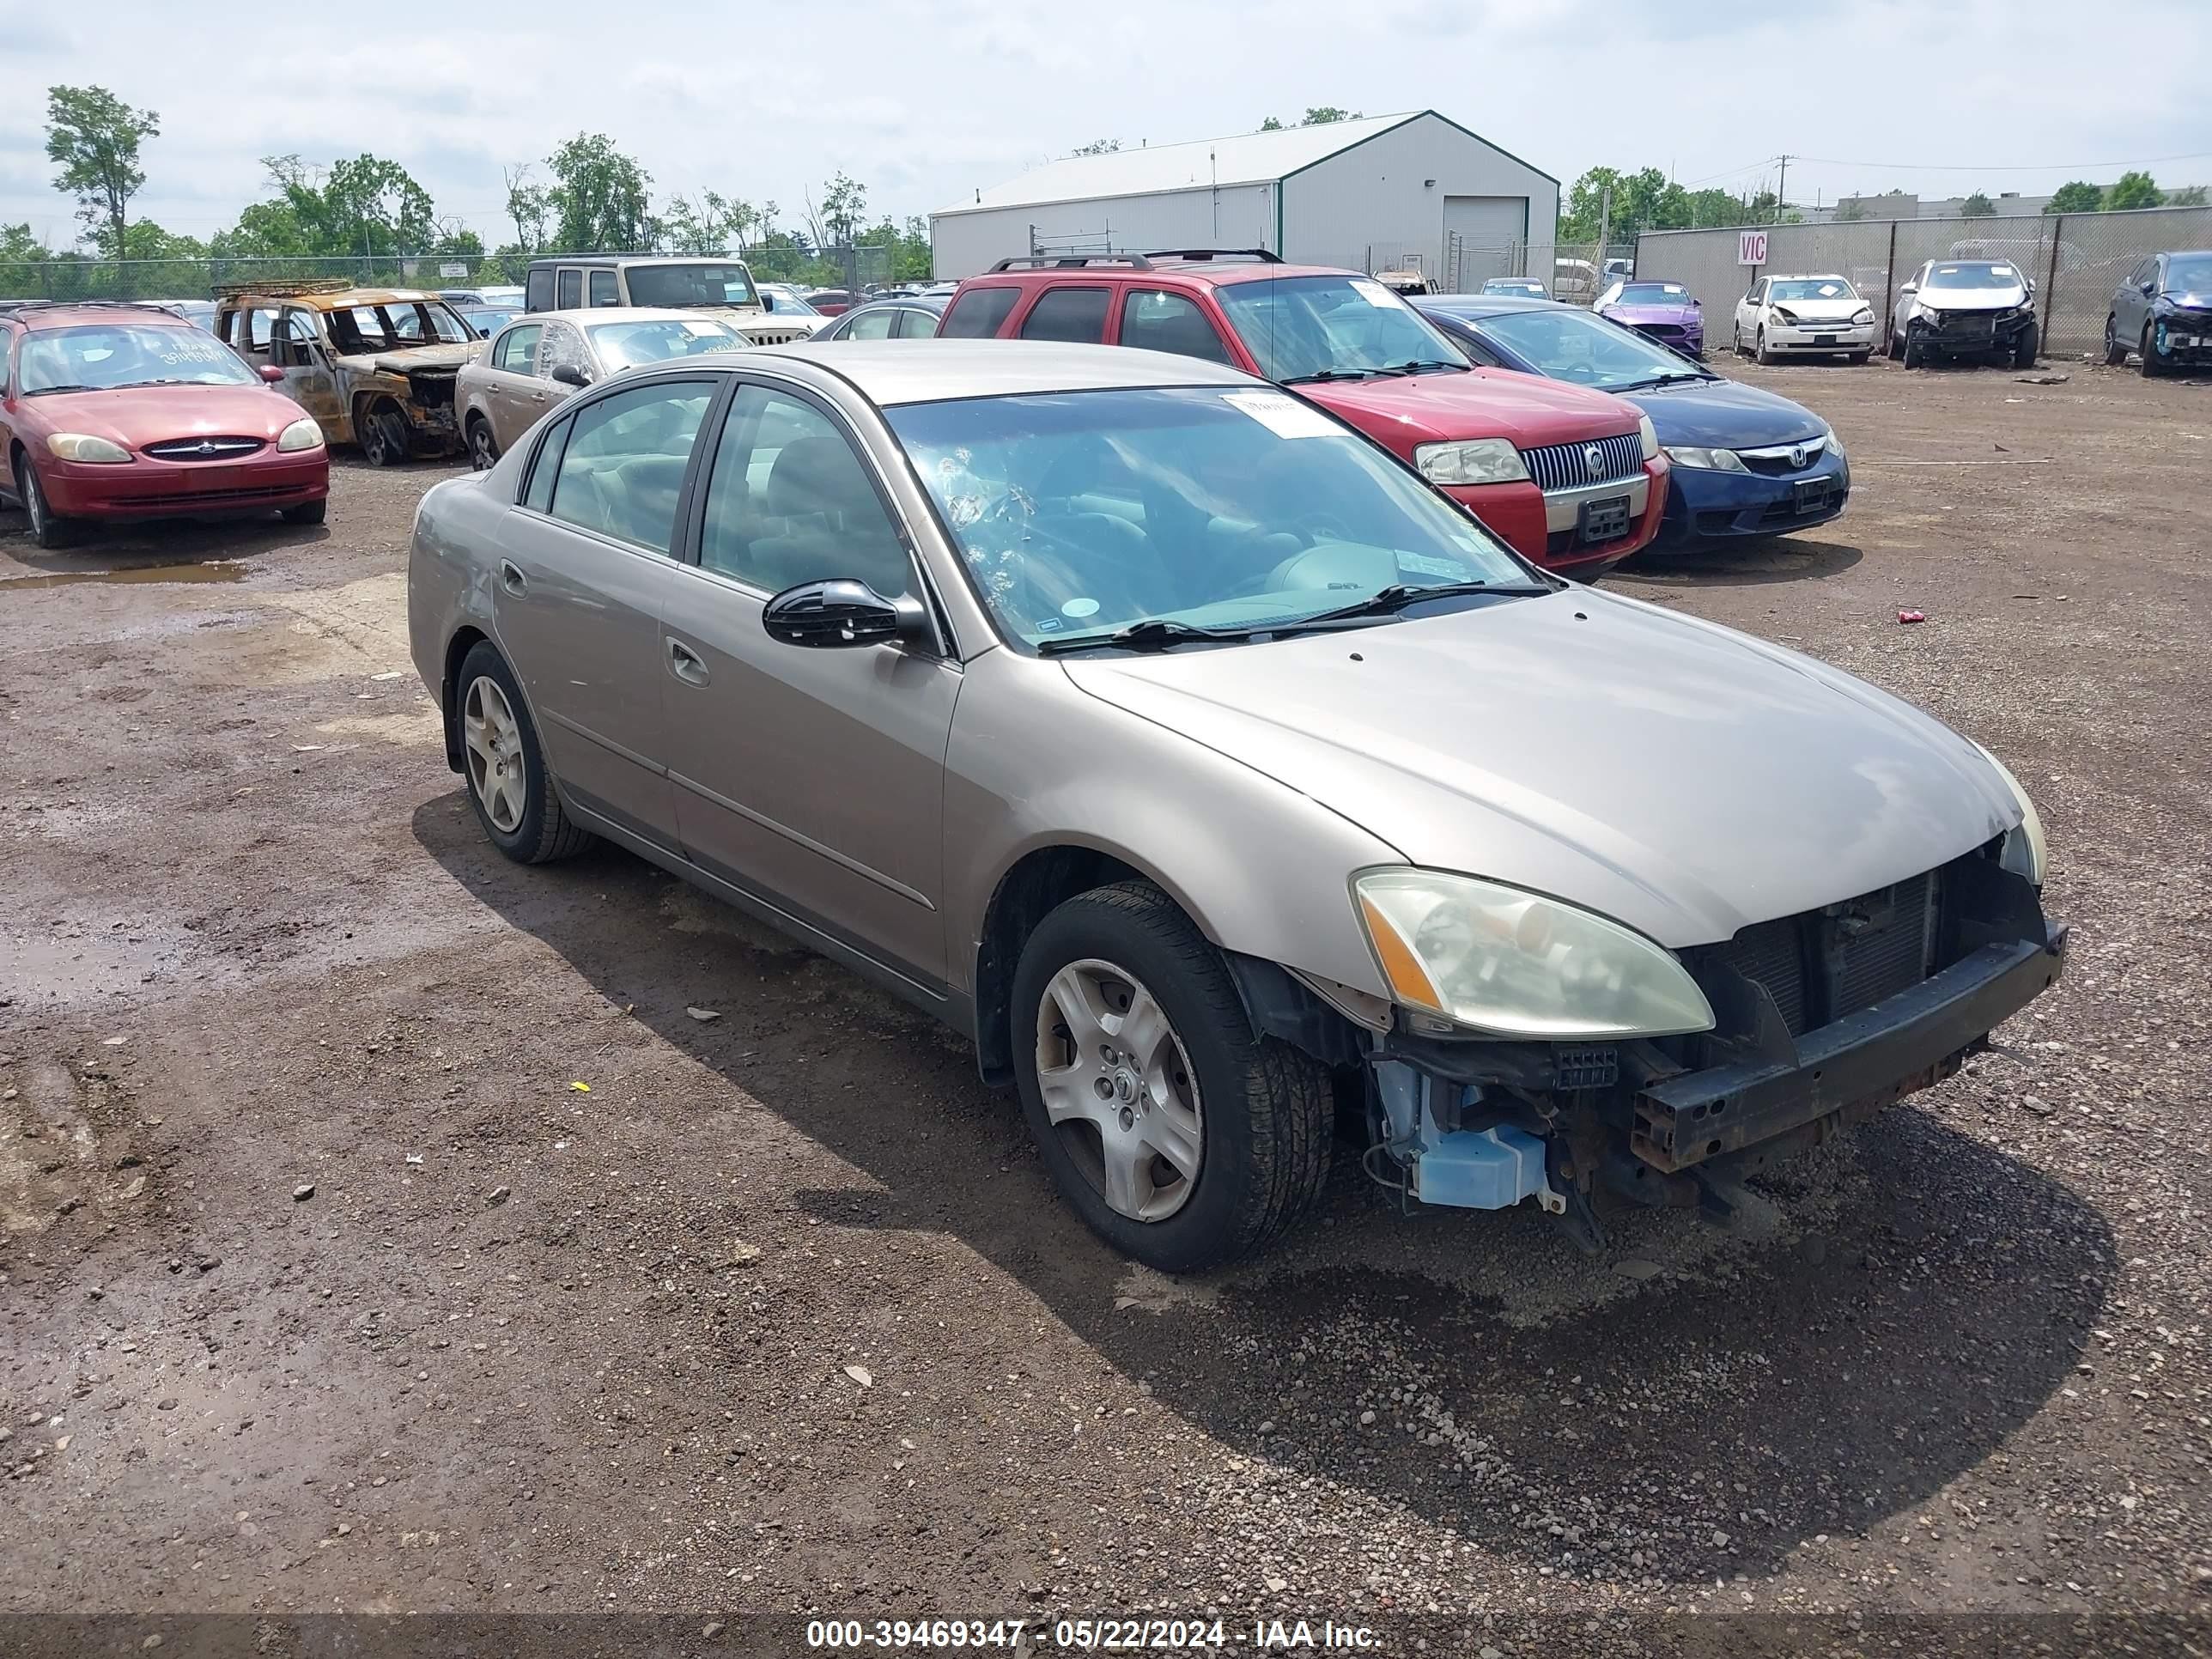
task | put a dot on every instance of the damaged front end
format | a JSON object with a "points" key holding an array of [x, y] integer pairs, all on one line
{"points": [[1821, 1020], [404, 400]]}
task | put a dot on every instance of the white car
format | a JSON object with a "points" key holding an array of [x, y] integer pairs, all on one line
{"points": [[1786, 316], [1966, 307]]}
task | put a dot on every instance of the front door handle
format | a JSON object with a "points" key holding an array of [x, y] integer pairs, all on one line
{"points": [[686, 663], [512, 579]]}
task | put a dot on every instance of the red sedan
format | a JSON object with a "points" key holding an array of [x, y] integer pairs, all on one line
{"points": [[116, 411]]}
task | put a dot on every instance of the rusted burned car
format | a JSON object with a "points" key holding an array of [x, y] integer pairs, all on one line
{"points": [[375, 367]]}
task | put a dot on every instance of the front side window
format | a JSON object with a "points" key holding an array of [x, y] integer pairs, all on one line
{"points": [[682, 286], [1305, 328], [295, 336], [1077, 315], [790, 501], [1079, 514], [978, 313], [625, 345], [622, 470], [513, 353], [103, 356], [396, 325], [1158, 320]]}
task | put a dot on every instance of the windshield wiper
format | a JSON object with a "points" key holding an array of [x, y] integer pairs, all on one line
{"points": [[1389, 601], [41, 391], [1329, 374], [1666, 377], [1417, 364], [1153, 634]]}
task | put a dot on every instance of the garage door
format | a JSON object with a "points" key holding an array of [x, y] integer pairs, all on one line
{"points": [[1482, 234]]}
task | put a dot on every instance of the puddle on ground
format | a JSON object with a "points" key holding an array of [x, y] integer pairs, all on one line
{"points": [[220, 570]]}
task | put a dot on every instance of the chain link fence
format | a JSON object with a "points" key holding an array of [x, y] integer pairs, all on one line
{"points": [[2076, 260]]}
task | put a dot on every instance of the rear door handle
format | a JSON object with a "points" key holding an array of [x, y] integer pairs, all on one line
{"points": [[512, 579], [686, 663]]}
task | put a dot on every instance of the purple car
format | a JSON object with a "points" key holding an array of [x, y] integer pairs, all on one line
{"points": [[1668, 312]]}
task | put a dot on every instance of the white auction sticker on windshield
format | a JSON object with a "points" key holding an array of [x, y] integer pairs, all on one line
{"points": [[1374, 294], [1283, 415]]}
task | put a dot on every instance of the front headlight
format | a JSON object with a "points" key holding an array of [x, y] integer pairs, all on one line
{"points": [[1480, 461], [1516, 964], [1647, 440], [83, 447], [1779, 315], [1863, 317], [1711, 460], [2024, 853], [300, 434], [1835, 443]]}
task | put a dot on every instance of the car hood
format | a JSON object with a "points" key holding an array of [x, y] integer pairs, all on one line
{"points": [[1970, 299], [134, 416], [1725, 414], [2193, 300], [1633, 315], [413, 357], [1682, 778], [1821, 311], [1399, 410]]}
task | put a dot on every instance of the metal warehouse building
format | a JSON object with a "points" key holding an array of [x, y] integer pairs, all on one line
{"points": [[1376, 193]]}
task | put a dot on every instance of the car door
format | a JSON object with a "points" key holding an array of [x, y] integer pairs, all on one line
{"points": [[1747, 309], [812, 778], [2131, 306], [513, 395], [296, 346], [587, 569]]}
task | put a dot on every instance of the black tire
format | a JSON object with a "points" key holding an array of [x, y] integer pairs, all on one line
{"points": [[382, 431], [1266, 1108], [2152, 368], [1857, 359], [1891, 346], [48, 530], [1736, 331], [543, 832], [484, 445], [1915, 354], [2023, 348], [2115, 353], [307, 512], [1760, 353]]}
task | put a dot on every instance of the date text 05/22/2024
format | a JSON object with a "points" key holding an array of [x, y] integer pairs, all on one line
{"points": [[1090, 1635]]}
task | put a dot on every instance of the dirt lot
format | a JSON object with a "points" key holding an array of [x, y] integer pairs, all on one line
{"points": [[328, 1287]]}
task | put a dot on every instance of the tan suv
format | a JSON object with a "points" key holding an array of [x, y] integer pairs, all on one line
{"points": [[719, 287]]}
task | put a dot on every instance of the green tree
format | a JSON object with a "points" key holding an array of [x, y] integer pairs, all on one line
{"points": [[2132, 189], [843, 201], [1978, 206], [93, 136], [2077, 197], [530, 207], [1326, 113], [1270, 125], [2192, 197], [362, 206], [598, 200], [1098, 147], [18, 247]]}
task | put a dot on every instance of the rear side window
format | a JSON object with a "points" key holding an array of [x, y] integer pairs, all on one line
{"points": [[1074, 314], [572, 289], [603, 288], [915, 325], [541, 290], [978, 313], [871, 324], [1157, 321], [622, 470]]}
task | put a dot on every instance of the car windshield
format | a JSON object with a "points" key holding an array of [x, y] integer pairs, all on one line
{"points": [[102, 356], [1303, 328], [678, 287], [1976, 275], [1534, 289], [1081, 513], [1653, 294], [1566, 344], [1804, 289], [395, 325], [625, 345], [2189, 273]]}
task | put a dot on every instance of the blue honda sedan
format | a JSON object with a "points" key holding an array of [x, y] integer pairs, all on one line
{"points": [[1746, 463]]}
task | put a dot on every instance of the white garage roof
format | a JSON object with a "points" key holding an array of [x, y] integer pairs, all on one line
{"points": [[1248, 158]]}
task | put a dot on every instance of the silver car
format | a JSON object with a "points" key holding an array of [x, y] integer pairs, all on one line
{"points": [[1211, 771], [538, 358]]}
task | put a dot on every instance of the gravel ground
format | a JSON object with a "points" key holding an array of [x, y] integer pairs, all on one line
{"points": [[379, 1232]]}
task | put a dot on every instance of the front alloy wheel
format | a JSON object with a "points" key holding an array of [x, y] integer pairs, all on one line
{"points": [[2152, 364], [1118, 1088], [47, 531], [2115, 353]]}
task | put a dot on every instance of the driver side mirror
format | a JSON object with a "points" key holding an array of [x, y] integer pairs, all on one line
{"points": [[1909, 288], [2149, 285], [272, 374], [569, 375], [843, 611]]}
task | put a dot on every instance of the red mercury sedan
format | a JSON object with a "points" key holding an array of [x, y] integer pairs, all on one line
{"points": [[1572, 479], [119, 411]]}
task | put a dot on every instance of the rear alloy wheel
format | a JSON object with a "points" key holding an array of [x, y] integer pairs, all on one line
{"points": [[47, 530], [384, 434], [484, 448], [2115, 353], [1180, 1134], [509, 786], [2152, 367]]}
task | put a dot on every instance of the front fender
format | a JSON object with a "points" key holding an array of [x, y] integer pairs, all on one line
{"points": [[1033, 763]]}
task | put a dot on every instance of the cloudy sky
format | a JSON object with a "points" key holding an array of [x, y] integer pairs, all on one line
{"points": [[924, 103]]}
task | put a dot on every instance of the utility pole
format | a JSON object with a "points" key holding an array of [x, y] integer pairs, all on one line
{"points": [[1781, 191], [1604, 230]]}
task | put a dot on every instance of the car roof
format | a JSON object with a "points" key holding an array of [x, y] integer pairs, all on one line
{"points": [[893, 372], [41, 314], [1805, 277], [1214, 273], [637, 260], [340, 299]]}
